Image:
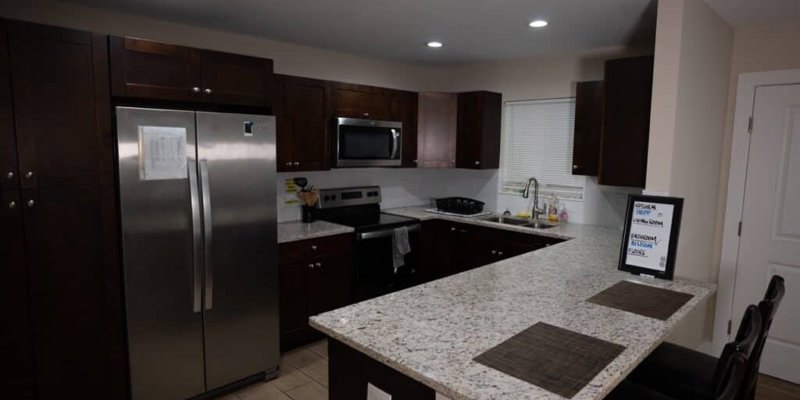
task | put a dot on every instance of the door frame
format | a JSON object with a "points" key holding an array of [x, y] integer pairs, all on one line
{"points": [[740, 149]]}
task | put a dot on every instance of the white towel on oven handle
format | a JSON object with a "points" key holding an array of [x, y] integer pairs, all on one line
{"points": [[400, 247]]}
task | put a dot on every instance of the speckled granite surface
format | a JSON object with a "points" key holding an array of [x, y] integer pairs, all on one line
{"points": [[432, 332], [296, 230]]}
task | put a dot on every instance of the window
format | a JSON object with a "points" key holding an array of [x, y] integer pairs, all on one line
{"points": [[537, 142]]}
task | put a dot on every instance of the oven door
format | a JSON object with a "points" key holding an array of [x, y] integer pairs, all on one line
{"points": [[368, 143], [374, 263]]}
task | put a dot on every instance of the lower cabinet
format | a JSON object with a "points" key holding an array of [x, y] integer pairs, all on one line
{"points": [[316, 276], [452, 247]]}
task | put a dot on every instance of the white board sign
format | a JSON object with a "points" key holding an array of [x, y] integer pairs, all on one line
{"points": [[162, 153], [652, 224]]}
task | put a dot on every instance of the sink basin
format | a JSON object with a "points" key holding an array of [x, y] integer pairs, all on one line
{"points": [[507, 220], [541, 225]]}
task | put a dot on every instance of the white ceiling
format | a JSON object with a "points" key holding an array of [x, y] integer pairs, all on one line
{"points": [[752, 12], [472, 30]]}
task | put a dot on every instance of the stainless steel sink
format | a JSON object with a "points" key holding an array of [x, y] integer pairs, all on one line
{"points": [[507, 220], [541, 225]]}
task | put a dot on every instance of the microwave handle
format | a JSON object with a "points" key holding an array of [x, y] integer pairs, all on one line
{"points": [[395, 144]]}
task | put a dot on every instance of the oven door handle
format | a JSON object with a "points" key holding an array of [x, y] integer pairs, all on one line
{"points": [[384, 233]]}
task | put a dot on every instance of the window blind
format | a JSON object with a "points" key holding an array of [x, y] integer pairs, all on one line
{"points": [[537, 142]]}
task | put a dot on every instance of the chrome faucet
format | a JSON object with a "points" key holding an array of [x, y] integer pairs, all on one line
{"points": [[536, 212]]}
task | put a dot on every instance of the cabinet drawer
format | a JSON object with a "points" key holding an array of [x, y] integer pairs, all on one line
{"points": [[318, 247]]}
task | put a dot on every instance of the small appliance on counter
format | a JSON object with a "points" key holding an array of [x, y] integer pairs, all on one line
{"points": [[459, 206]]}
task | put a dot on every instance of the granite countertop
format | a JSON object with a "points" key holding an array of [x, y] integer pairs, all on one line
{"points": [[431, 332], [296, 230]]}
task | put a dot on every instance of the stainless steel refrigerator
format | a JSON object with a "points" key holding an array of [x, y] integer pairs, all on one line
{"points": [[197, 194]]}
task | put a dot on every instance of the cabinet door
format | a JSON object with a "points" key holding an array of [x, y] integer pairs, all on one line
{"points": [[235, 79], [76, 302], [330, 283], [356, 101], [304, 124], [404, 108], [8, 144], [626, 131], [16, 364], [147, 69], [61, 106], [293, 300], [478, 130], [436, 133], [589, 100]]}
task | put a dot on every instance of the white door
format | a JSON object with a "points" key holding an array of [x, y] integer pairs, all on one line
{"points": [[770, 239]]}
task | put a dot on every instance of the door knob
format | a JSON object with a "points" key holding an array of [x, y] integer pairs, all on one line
{"points": [[319, 264], [196, 89], [296, 163], [208, 91], [29, 175], [452, 162], [31, 203], [311, 266], [288, 163], [12, 204], [10, 175]]}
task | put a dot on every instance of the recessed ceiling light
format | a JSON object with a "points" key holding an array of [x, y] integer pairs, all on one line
{"points": [[435, 44], [539, 23]]}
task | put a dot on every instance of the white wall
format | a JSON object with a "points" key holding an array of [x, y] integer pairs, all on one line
{"points": [[690, 90]]}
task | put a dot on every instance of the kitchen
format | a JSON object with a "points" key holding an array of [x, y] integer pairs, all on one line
{"points": [[457, 113]]}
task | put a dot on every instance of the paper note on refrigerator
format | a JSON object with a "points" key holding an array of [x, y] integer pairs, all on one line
{"points": [[162, 153]]}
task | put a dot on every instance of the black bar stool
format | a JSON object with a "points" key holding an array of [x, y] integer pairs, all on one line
{"points": [[768, 308]]}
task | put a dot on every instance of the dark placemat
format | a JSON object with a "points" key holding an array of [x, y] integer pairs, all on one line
{"points": [[553, 358], [641, 299]]}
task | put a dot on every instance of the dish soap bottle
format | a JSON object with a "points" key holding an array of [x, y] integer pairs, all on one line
{"points": [[552, 212], [563, 216]]}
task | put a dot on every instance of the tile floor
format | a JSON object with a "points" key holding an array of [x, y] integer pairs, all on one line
{"points": [[304, 376]]}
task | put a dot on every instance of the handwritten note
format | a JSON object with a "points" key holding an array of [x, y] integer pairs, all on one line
{"points": [[648, 242], [162, 153]]}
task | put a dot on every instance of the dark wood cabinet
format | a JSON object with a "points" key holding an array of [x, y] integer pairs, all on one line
{"points": [[16, 364], [315, 276], [478, 130], [359, 101], [589, 105], [148, 69], [302, 137], [626, 125], [436, 133], [9, 175], [61, 106]]}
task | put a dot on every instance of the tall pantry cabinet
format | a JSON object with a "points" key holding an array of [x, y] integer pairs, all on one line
{"points": [[61, 311]]}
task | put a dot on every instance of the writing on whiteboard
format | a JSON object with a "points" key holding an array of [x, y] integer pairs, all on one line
{"points": [[648, 240]]}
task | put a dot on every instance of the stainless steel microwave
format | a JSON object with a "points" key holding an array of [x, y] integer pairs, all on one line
{"points": [[368, 143]]}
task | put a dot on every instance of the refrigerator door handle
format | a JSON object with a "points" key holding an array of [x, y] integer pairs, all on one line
{"points": [[197, 240], [208, 236]]}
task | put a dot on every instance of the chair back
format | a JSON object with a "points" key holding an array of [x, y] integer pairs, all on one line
{"points": [[746, 338], [733, 377], [767, 307]]}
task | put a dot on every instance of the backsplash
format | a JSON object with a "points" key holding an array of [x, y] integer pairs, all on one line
{"points": [[400, 187]]}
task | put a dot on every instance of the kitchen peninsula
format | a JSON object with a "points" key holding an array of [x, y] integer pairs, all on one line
{"points": [[432, 332]]}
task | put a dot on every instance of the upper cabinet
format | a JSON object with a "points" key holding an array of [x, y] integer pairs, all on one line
{"points": [[612, 123], [626, 124], [152, 70], [9, 175], [478, 130], [302, 137], [359, 101], [589, 100], [436, 133]]}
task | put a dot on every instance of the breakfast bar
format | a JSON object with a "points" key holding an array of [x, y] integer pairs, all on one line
{"points": [[433, 333]]}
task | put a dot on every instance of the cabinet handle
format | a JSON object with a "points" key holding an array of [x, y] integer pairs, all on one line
{"points": [[12, 204], [311, 266], [575, 166], [452, 229], [477, 163], [500, 253], [296, 163], [196, 89], [208, 91], [494, 252], [318, 264], [366, 114], [288, 163], [10, 175], [31, 203], [452, 162], [314, 247], [29, 175]]}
